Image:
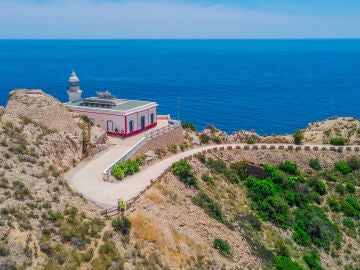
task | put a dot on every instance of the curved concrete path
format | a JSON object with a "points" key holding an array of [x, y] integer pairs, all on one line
{"points": [[87, 178]]}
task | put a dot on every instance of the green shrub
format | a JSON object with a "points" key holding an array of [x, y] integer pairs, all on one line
{"points": [[338, 141], [109, 257], [275, 209], [88, 255], [339, 188], [349, 210], [354, 162], [216, 165], [233, 178], [315, 197], [342, 167], [258, 190], [204, 138], [186, 125], [54, 216], [201, 158], [334, 205], [289, 167], [173, 148], [122, 224], [211, 208], [277, 176], [183, 171], [216, 139], [350, 187], [298, 136], [320, 187], [125, 168], [301, 237], [349, 222], [241, 169], [313, 221], [208, 178], [21, 191], [315, 164], [351, 207], [87, 120], [285, 263], [250, 141], [313, 261], [281, 248], [76, 230], [183, 146], [223, 247]]}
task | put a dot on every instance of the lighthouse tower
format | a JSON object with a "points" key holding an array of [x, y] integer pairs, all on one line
{"points": [[74, 90]]}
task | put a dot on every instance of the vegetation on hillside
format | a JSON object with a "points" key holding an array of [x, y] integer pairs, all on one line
{"points": [[125, 168], [318, 210]]}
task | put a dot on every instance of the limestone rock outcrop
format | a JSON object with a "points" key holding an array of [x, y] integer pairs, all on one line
{"points": [[58, 129]]}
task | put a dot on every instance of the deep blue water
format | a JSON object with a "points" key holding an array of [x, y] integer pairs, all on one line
{"points": [[272, 86]]}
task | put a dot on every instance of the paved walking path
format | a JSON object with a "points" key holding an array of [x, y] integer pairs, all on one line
{"points": [[87, 178]]}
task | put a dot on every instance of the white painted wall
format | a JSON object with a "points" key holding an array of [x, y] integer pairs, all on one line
{"points": [[101, 117]]}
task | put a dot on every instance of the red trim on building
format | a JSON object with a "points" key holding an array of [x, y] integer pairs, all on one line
{"points": [[117, 134], [151, 125]]}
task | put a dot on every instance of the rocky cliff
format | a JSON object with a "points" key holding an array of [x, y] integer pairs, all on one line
{"points": [[60, 131]]}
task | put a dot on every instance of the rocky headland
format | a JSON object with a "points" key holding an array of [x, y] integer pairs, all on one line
{"points": [[44, 224]]}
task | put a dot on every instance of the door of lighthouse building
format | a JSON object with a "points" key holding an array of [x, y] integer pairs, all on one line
{"points": [[109, 126], [142, 121]]}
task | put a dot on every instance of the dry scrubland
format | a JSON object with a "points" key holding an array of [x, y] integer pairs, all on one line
{"points": [[46, 225]]}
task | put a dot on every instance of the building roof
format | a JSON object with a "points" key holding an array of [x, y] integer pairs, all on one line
{"points": [[123, 105]]}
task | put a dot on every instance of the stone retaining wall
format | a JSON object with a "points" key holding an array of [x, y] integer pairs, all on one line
{"points": [[174, 136]]}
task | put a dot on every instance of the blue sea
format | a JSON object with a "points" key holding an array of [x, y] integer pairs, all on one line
{"points": [[271, 86]]}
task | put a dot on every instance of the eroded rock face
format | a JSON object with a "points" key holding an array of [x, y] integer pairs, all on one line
{"points": [[43, 110], [45, 119]]}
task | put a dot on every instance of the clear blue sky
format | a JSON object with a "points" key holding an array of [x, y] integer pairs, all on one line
{"points": [[180, 19]]}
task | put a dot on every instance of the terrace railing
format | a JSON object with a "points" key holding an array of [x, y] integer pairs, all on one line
{"points": [[173, 124]]}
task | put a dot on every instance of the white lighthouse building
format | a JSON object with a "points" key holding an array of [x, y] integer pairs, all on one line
{"points": [[119, 117], [74, 90]]}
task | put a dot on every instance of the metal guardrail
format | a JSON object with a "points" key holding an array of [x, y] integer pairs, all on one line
{"points": [[173, 124]]}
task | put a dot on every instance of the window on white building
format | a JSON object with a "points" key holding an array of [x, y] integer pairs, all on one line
{"points": [[152, 118], [131, 126]]}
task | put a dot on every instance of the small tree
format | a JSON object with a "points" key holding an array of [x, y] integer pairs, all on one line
{"points": [[122, 224], [298, 136]]}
